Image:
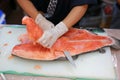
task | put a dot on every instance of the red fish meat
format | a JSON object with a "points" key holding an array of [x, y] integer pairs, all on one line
{"points": [[76, 41]]}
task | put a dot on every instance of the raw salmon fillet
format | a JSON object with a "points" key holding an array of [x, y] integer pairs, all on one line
{"points": [[76, 41]]}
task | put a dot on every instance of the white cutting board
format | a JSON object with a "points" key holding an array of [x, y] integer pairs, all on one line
{"points": [[92, 65]]}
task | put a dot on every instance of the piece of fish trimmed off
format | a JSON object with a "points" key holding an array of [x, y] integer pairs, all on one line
{"points": [[76, 41]]}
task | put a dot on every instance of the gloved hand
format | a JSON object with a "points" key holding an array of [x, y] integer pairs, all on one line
{"points": [[43, 22], [50, 36]]}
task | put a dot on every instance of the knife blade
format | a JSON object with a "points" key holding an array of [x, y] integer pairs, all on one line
{"points": [[3, 76], [69, 57]]}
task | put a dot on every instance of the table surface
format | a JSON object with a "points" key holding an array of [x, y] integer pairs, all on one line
{"points": [[111, 32]]}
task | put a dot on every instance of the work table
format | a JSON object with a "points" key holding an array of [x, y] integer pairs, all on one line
{"points": [[111, 32]]}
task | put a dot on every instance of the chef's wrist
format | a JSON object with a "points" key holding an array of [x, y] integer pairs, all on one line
{"points": [[61, 28], [38, 18]]}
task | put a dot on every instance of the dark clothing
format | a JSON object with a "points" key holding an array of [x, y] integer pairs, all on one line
{"points": [[62, 9], [116, 17]]}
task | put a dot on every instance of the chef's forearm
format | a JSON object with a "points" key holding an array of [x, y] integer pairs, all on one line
{"points": [[75, 15], [28, 7]]}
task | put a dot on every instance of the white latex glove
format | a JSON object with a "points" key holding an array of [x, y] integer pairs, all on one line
{"points": [[43, 22], [50, 36]]}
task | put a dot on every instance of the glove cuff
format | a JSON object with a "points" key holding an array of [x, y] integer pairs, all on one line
{"points": [[39, 18], [61, 28]]}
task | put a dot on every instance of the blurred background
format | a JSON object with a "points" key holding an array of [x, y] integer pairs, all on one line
{"points": [[11, 13]]}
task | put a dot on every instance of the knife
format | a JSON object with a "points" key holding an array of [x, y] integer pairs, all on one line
{"points": [[69, 57], [3, 76]]}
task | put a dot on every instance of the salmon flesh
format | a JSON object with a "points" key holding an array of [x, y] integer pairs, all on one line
{"points": [[76, 41]]}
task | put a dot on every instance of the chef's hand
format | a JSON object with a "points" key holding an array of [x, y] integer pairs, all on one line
{"points": [[43, 22], [50, 36]]}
